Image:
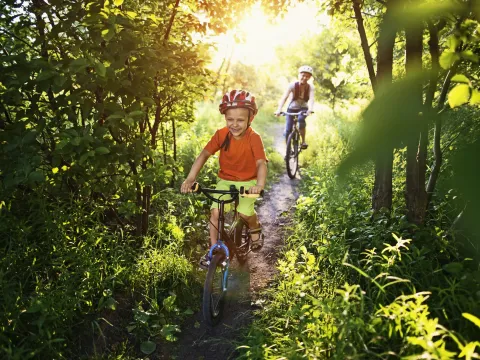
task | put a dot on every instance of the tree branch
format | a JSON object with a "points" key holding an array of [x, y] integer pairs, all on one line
{"points": [[170, 23], [19, 39]]}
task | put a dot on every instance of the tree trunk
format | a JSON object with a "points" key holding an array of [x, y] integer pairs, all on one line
{"points": [[364, 41], [437, 150], [138, 229], [164, 145], [382, 188], [170, 23], [415, 194], [145, 208]]}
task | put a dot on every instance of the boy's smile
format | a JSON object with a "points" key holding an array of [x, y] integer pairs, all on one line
{"points": [[237, 121]]}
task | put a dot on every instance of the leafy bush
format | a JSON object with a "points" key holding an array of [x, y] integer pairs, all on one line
{"points": [[347, 289]]}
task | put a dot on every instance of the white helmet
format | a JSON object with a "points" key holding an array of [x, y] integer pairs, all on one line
{"points": [[306, 69]]}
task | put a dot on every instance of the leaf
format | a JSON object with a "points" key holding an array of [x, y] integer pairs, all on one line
{"points": [[136, 113], [188, 312], [102, 150], [448, 58], [148, 347], [460, 79], [36, 176], [453, 268], [129, 121], [108, 34], [45, 75], [475, 98], [131, 14], [101, 70], [469, 55], [115, 116], [55, 170], [469, 350], [147, 101], [459, 95], [118, 2], [78, 65], [472, 318], [111, 304]]}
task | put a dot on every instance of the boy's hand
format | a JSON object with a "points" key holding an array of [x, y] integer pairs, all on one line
{"points": [[186, 186], [255, 189], [309, 112]]}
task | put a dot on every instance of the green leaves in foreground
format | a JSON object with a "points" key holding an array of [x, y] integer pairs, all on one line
{"points": [[392, 118]]}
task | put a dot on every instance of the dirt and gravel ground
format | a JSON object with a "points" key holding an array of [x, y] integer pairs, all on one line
{"points": [[199, 342]]}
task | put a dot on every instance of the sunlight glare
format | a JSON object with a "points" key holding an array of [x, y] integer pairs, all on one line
{"points": [[254, 39]]}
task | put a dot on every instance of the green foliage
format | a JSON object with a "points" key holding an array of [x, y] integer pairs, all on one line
{"points": [[336, 58], [347, 289]]}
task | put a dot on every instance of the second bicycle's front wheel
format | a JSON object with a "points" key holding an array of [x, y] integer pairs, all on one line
{"points": [[214, 291], [291, 157]]}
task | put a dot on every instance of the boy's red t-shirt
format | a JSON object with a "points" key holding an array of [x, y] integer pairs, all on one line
{"points": [[239, 163]]}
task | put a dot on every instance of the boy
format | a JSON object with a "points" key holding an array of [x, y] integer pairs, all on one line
{"points": [[242, 162], [302, 100]]}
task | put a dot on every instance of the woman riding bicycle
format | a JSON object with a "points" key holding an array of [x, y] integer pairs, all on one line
{"points": [[242, 162], [302, 99]]}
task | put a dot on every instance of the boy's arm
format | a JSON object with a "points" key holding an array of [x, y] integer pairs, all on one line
{"points": [[196, 167], [261, 177], [282, 101]]}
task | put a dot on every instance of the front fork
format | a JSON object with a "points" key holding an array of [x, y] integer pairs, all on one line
{"points": [[220, 246]]}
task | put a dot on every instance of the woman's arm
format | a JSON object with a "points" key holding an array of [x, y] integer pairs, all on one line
{"points": [[196, 167], [311, 99], [282, 100]]}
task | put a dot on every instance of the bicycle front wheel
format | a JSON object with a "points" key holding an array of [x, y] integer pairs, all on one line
{"points": [[291, 157], [213, 291], [242, 240]]}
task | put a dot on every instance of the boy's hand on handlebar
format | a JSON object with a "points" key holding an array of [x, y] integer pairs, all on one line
{"points": [[255, 189], [187, 186], [277, 113], [309, 112]]}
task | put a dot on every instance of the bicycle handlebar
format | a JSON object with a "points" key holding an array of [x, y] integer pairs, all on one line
{"points": [[303, 112], [233, 192]]}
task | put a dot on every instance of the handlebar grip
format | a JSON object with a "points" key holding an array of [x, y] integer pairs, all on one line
{"points": [[244, 193], [195, 187]]}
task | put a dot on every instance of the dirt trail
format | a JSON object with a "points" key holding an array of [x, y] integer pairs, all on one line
{"points": [[199, 342]]}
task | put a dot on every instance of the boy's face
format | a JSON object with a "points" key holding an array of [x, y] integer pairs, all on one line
{"points": [[237, 121], [303, 77]]}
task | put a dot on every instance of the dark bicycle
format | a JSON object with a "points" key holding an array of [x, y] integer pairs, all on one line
{"points": [[293, 145], [235, 242]]}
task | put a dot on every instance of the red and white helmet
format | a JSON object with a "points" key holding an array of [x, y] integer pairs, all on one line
{"points": [[238, 99], [306, 69]]}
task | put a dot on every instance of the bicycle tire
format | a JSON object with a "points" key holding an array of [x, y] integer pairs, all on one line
{"points": [[213, 293], [291, 157], [241, 238]]}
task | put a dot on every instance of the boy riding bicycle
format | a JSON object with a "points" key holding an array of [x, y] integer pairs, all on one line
{"points": [[302, 100], [242, 162]]}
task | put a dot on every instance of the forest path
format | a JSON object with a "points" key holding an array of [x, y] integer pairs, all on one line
{"points": [[199, 342]]}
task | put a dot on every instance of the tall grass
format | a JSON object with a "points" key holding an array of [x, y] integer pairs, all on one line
{"points": [[69, 279], [352, 288]]}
